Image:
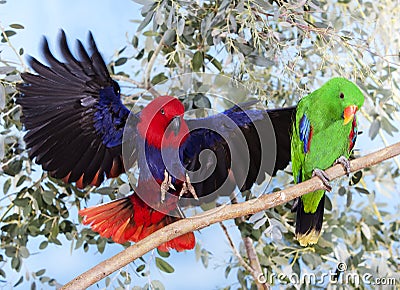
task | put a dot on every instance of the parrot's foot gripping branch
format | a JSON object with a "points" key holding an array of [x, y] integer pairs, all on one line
{"points": [[166, 185], [188, 187], [345, 162], [324, 178]]}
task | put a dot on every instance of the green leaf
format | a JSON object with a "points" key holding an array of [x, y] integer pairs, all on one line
{"points": [[9, 33], [120, 61], [362, 190], [16, 264], [365, 230], [140, 268], [40, 272], [11, 251], [169, 37], [2, 97], [163, 254], [106, 190], [158, 79], [43, 245], [157, 285], [387, 126], [150, 33], [48, 197], [6, 185], [164, 266], [21, 180], [374, 129], [140, 55], [145, 21], [204, 257], [342, 191], [13, 168], [22, 202], [197, 61], [17, 26], [21, 279], [135, 41], [356, 178], [349, 198], [328, 203], [23, 252], [6, 70], [101, 244]]}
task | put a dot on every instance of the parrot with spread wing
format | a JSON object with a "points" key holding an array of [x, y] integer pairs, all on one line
{"points": [[324, 133], [76, 122]]}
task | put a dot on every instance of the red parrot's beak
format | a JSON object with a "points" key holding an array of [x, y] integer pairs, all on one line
{"points": [[175, 125], [349, 113]]}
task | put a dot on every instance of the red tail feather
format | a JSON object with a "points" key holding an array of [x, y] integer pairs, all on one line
{"points": [[130, 219]]}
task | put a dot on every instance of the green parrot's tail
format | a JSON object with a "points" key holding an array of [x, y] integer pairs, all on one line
{"points": [[308, 225]]}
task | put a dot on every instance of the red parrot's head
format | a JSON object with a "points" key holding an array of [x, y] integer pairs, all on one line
{"points": [[162, 124]]}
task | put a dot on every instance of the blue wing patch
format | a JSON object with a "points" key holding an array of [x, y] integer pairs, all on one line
{"points": [[306, 132], [110, 117]]}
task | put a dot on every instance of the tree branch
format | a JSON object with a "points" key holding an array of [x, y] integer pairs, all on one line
{"points": [[219, 214]]}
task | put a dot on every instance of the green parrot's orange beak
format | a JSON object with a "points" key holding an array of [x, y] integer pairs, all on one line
{"points": [[349, 113]]}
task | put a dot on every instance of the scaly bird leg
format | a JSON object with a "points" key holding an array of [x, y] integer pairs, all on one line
{"points": [[166, 185], [324, 178], [345, 162], [188, 187]]}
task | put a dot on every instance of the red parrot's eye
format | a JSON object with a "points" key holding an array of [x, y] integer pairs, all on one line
{"points": [[162, 111], [341, 96]]}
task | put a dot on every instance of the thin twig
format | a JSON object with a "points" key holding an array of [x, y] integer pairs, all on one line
{"points": [[151, 63], [222, 213], [236, 252]]}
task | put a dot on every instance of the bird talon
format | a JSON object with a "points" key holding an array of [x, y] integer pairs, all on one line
{"points": [[166, 185], [323, 177], [188, 187], [345, 163]]}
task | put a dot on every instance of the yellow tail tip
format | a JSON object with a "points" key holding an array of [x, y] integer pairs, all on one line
{"points": [[310, 238]]}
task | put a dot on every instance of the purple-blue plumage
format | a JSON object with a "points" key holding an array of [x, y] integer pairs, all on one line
{"points": [[110, 117]]}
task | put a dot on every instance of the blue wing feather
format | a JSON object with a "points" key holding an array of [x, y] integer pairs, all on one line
{"points": [[305, 133]]}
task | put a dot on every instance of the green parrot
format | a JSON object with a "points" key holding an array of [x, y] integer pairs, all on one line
{"points": [[324, 133]]}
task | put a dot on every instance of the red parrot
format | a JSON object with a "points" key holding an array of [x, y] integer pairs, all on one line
{"points": [[76, 121]]}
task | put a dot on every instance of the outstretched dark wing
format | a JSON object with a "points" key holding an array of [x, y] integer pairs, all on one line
{"points": [[74, 115], [237, 148]]}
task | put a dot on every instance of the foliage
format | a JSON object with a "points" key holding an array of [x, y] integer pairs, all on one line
{"points": [[280, 50]]}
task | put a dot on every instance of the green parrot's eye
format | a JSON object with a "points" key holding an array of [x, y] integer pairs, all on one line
{"points": [[341, 95], [162, 111]]}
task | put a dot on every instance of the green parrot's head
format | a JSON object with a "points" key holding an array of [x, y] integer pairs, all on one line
{"points": [[341, 98]]}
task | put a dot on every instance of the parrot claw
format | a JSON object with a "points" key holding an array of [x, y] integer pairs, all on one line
{"points": [[166, 185], [188, 187], [323, 177], [346, 164]]}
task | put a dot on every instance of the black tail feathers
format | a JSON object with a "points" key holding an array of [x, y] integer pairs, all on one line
{"points": [[308, 225]]}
